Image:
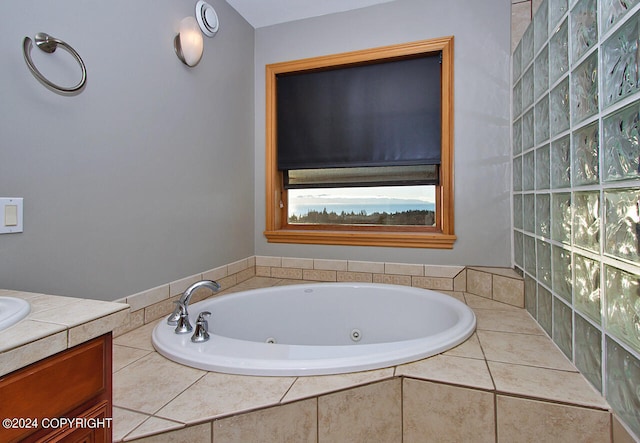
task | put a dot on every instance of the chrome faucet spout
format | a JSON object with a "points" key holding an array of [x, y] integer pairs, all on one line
{"points": [[185, 298], [210, 284]]}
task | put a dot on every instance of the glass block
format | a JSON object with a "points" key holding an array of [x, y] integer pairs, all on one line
{"points": [[623, 305], [527, 88], [623, 384], [559, 53], [586, 220], [517, 211], [544, 262], [621, 149], [540, 26], [561, 217], [517, 99], [620, 60], [545, 309], [517, 173], [528, 171], [527, 46], [563, 327], [516, 60], [557, 9], [541, 119], [528, 217], [584, 28], [613, 11], [562, 282], [518, 240], [584, 81], [561, 163], [588, 347], [622, 224], [541, 73], [527, 130], [530, 255], [542, 167], [586, 287], [585, 155], [530, 296], [559, 108], [543, 215], [517, 137]]}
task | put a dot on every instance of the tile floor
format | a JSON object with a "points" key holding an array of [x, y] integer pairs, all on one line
{"points": [[507, 377]]}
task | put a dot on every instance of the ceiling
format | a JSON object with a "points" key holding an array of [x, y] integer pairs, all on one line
{"points": [[260, 13]]}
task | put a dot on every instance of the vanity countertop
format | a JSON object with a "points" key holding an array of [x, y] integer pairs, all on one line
{"points": [[55, 323]]}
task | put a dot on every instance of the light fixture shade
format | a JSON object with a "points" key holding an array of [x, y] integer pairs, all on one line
{"points": [[189, 43]]}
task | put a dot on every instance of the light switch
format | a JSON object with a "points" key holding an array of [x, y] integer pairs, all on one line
{"points": [[10, 215]]}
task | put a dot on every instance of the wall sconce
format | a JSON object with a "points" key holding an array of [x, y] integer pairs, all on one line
{"points": [[188, 43]]}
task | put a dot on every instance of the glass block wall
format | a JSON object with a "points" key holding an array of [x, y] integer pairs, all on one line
{"points": [[576, 187]]}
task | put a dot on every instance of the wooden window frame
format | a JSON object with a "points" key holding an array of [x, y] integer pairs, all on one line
{"points": [[441, 236]]}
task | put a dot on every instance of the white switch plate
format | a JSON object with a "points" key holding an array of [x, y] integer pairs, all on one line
{"points": [[11, 213]]}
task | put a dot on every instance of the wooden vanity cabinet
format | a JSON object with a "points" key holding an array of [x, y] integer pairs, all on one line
{"points": [[73, 384]]}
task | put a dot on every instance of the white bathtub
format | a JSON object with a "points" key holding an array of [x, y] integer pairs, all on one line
{"points": [[325, 328]]}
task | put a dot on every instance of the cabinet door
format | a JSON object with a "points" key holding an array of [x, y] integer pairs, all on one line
{"points": [[73, 380], [94, 426]]}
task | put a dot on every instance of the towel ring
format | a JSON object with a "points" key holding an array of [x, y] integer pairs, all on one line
{"points": [[49, 44]]}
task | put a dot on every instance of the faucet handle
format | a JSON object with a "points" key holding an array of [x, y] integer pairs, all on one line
{"points": [[201, 333], [183, 326], [203, 316]]}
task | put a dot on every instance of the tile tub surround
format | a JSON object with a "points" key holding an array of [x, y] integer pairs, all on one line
{"points": [[54, 324], [507, 377], [499, 284]]}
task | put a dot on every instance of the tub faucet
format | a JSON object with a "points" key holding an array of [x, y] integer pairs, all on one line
{"points": [[185, 298]]}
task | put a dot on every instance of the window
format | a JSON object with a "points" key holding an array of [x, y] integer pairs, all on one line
{"points": [[359, 147]]}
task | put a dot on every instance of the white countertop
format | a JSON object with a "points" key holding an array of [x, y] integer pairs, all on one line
{"points": [[54, 324]]}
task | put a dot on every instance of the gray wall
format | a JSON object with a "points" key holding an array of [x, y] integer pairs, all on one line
{"points": [[147, 175], [482, 102]]}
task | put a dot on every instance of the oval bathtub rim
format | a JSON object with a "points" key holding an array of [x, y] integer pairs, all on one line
{"points": [[220, 354]]}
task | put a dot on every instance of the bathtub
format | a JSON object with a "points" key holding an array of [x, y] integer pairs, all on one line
{"points": [[317, 329]]}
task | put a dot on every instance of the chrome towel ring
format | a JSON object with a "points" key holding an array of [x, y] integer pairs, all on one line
{"points": [[49, 44]]}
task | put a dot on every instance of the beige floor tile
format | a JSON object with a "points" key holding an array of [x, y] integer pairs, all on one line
{"points": [[124, 356], [138, 338], [470, 348], [442, 413], [216, 395], [305, 387], [518, 321], [447, 369], [292, 423], [475, 301], [621, 434], [523, 349], [192, 434], [151, 382], [548, 384], [532, 421], [125, 421], [370, 413], [154, 426]]}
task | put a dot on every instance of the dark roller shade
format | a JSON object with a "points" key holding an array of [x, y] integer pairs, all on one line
{"points": [[382, 114]]}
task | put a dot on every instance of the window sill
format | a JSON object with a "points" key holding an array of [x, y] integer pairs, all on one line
{"points": [[360, 238]]}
